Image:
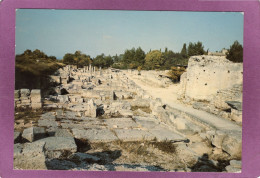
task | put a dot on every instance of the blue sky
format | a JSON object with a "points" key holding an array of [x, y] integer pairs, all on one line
{"points": [[57, 32]]}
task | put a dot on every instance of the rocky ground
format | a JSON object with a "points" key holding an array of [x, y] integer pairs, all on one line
{"points": [[113, 120]]}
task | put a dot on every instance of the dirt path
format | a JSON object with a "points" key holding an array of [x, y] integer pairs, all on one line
{"points": [[169, 96]]}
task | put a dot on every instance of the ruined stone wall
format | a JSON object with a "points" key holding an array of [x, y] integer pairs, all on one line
{"points": [[206, 75], [24, 98]]}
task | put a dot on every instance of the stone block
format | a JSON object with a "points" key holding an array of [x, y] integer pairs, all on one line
{"points": [[16, 94], [36, 96], [63, 133], [17, 137], [62, 98], [18, 149], [232, 169], [32, 157], [47, 123], [236, 115], [36, 105], [163, 134], [232, 144], [25, 92], [56, 147], [217, 139], [133, 135], [95, 135], [34, 133], [91, 110], [188, 156], [235, 163]]}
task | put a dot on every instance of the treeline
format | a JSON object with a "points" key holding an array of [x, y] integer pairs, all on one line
{"points": [[157, 59], [136, 58], [32, 69]]}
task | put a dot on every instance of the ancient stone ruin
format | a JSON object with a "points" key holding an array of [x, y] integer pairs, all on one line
{"points": [[119, 120], [24, 98], [214, 84]]}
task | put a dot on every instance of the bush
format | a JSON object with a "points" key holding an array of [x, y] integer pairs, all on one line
{"points": [[235, 53], [175, 73]]}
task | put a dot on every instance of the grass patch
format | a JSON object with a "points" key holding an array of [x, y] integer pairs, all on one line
{"points": [[28, 115], [165, 146]]}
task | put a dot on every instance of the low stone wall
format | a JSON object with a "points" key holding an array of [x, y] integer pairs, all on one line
{"points": [[24, 98]]}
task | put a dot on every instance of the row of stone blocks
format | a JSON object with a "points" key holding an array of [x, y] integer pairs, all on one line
{"points": [[24, 98]]}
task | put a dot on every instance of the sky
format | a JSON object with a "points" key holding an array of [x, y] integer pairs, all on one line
{"points": [[57, 32]]}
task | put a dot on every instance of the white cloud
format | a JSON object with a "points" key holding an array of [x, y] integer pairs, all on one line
{"points": [[242, 13]]}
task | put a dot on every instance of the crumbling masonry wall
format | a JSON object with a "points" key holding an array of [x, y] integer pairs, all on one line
{"points": [[206, 75], [24, 98]]}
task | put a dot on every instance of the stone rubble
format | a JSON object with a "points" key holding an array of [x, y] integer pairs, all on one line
{"points": [[97, 106]]}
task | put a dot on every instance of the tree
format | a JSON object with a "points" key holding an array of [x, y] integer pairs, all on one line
{"points": [[76, 57], [235, 53], [115, 58], [184, 50], [154, 60], [195, 49], [68, 59], [139, 57]]}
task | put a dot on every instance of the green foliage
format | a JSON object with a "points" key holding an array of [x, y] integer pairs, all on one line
{"points": [[175, 73], [78, 59], [195, 49], [103, 61], [133, 58], [33, 68], [154, 60], [184, 51], [235, 53]]}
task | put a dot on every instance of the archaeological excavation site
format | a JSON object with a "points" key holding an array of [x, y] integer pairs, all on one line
{"points": [[106, 119]]}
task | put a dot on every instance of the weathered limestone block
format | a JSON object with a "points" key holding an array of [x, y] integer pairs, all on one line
{"points": [[217, 138], [95, 135], [123, 123], [230, 168], [36, 96], [17, 149], [36, 105], [34, 133], [47, 123], [162, 134], [187, 155], [17, 137], [232, 144], [201, 148], [208, 74], [32, 156], [91, 109], [16, 94], [235, 105], [25, 92], [63, 98], [56, 147], [140, 103], [235, 163], [133, 135], [186, 126], [224, 99], [236, 115], [63, 133]]}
